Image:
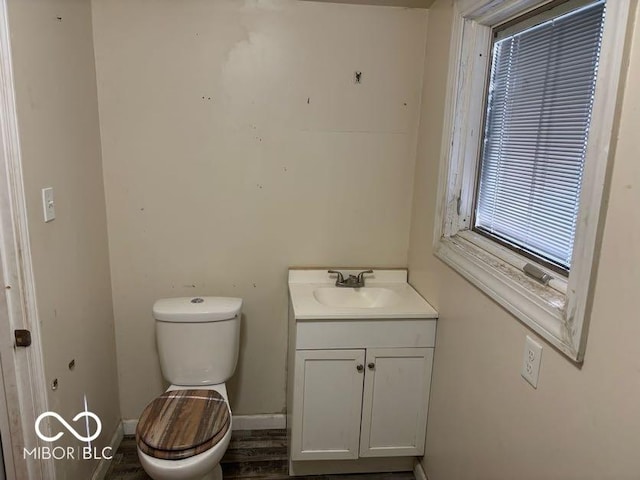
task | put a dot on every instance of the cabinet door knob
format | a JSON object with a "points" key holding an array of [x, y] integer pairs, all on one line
{"points": [[360, 367], [371, 366]]}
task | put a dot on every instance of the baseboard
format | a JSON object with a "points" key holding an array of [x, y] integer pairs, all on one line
{"points": [[259, 422], [101, 470], [240, 422], [418, 471], [129, 426], [359, 465]]}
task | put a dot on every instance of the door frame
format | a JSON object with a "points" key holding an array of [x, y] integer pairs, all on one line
{"points": [[23, 375]]}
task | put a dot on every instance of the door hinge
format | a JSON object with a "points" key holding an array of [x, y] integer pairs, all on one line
{"points": [[23, 338]]}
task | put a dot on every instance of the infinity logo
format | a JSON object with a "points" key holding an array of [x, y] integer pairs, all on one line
{"points": [[72, 430]]}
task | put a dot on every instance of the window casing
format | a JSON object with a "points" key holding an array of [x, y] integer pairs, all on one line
{"points": [[558, 311]]}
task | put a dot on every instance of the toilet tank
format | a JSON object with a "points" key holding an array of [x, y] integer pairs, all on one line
{"points": [[198, 338]]}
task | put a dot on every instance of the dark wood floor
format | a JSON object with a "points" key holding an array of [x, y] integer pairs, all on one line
{"points": [[252, 454]]}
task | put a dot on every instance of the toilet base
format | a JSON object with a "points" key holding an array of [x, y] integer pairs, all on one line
{"points": [[216, 474]]}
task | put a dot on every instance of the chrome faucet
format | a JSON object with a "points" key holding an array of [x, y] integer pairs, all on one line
{"points": [[352, 281]]}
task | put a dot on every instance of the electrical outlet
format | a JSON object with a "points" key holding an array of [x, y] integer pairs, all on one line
{"points": [[531, 361]]}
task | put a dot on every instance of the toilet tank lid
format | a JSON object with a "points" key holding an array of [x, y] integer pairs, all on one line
{"points": [[196, 309]]}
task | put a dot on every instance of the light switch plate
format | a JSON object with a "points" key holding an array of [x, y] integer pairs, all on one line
{"points": [[48, 205], [531, 361]]}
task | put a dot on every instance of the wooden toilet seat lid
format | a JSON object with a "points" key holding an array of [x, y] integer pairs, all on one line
{"points": [[182, 423]]}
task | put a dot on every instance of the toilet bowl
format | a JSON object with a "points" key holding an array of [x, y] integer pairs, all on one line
{"points": [[201, 466], [184, 433]]}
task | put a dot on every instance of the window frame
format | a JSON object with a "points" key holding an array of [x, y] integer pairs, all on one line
{"points": [[559, 312]]}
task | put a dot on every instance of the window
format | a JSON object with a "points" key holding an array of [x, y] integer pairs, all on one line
{"points": [[539, 105], [532, 97]]}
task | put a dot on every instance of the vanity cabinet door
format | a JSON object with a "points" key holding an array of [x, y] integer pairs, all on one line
{"points": [[396, 395], [327, 404]]}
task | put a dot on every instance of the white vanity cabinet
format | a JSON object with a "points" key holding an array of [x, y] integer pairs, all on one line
{"points": [[360, 403], [359, 372]]}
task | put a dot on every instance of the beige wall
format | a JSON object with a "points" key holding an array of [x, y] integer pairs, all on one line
{"points": [[235, 144], [58, 121], [485, 421]]}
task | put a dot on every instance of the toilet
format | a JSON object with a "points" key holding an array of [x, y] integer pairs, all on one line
{"points": [[183, 433]]}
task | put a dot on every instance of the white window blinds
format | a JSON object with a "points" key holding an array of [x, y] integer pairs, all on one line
{"points": [[537, 118]]}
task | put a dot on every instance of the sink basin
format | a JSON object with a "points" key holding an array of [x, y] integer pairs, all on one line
{"points": [[365, 297]]}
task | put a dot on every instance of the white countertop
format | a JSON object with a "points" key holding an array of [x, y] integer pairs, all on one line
{"points": [[304, 286]]}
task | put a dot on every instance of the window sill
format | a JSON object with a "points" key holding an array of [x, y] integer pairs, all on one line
{"points": [[497, 272]]}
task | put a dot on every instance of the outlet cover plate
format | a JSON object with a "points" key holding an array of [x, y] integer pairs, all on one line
{"points": [[531, 361]]}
